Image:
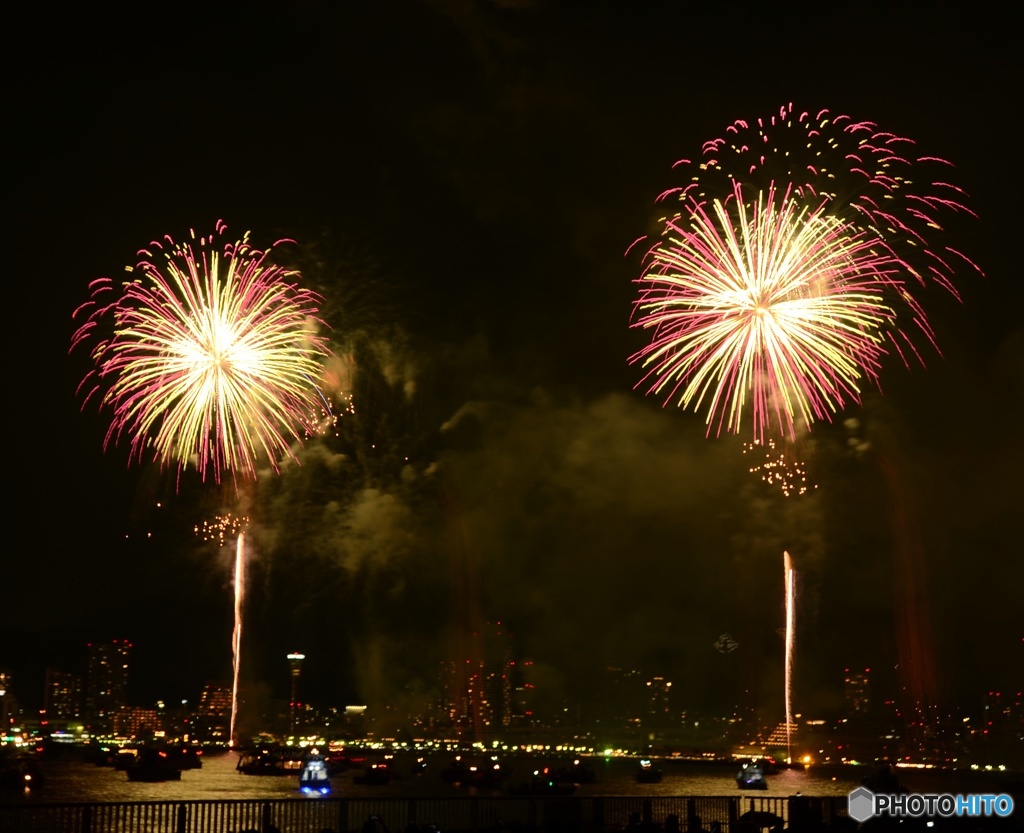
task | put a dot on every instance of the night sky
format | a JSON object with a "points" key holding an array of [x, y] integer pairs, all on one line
{"points": [[463, 180]]}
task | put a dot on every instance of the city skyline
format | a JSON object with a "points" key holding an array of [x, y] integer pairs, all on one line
{"points": [[463, 189]]}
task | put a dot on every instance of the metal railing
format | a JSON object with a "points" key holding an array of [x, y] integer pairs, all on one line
{"points": [[519, 814]]}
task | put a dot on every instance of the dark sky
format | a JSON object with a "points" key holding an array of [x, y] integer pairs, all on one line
{"points": [[463, 180]]}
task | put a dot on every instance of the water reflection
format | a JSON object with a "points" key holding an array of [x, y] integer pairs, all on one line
{"points": [[72, 780]]}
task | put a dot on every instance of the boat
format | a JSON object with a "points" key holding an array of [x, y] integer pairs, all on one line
{"points": [[152, 766], [378, 772], [486, 772], [265, 760], [340, 760], [188, 757], [314, 779], [752, 776], [18, 771], [126, 758], [578, 772], [543, 782], [647, 772]]}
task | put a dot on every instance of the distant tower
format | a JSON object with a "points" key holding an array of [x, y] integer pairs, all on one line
{"points": [[857, 691], [478, 687], [62, 695], [6, 696], [107, 683], [295, 663]]}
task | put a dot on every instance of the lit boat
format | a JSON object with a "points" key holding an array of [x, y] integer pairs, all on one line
{"points": [[482, 771], [543, 782], [578, 772], [752, 776], [314, 779], [268, 761], [647, 772], [152, 765], [378, 772]]}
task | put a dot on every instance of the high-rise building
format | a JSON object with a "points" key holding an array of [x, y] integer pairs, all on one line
{"points": [[294, 706], [479, 686], [62, 695], [106, 683], [659, 703], [8, 703], [212, 719], [856, 692], [136, 722]]}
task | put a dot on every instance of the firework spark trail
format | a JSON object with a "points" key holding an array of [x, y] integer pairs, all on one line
{"points": [[790, 578], [213, 359], [236, 635], [767, 299], [221, 527], [780, 468]]}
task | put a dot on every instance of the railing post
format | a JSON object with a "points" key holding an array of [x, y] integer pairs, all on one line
{"points": [[182, 818], [87, 819], [646, 814], [733, 802], [265, 821]]}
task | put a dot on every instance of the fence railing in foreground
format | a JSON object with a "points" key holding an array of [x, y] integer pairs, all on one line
{"points": [[523, 814]]}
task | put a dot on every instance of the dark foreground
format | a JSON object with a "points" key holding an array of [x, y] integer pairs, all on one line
{"points": [[520, 814]]}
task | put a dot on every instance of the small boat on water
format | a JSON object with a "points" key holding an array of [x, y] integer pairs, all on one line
{"points": [[314, 779], [476, 771], [543, 782], [188, 757], [152, 766], [377, 772], [266, 760], [647, 772], [752, 776], [19, 772], [578, 772]]}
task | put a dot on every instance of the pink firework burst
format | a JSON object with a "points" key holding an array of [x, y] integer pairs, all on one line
{"points": [[763, 304], [208, 357], [872, 179]]}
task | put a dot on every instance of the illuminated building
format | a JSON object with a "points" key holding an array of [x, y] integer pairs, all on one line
{"points": [[8, 705], [625, 699], [856, 691], [479, 687], [659, 711], [1003, 716], [212, 718], [136, 722], [295, 664], [106, 683], [62, 695]]}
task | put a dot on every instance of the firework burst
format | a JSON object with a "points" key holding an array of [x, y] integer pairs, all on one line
{"points": [[873, 180], [212, 357], [763, 302]]}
